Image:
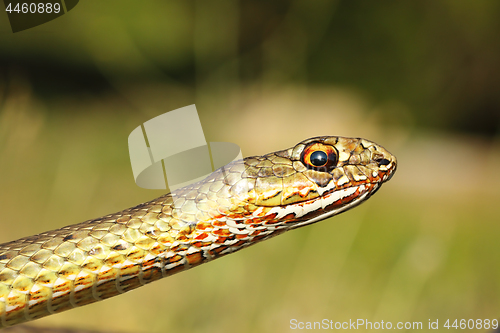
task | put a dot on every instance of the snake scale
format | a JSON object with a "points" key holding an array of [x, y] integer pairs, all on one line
{"points": [[245, 202]]}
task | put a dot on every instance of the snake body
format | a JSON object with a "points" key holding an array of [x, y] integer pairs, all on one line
{"points": [[236, 206]]}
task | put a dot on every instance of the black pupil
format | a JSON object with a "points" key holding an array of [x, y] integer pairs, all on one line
{"points": [[319, 158]]}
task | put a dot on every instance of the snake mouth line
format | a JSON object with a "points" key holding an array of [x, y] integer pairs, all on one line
{"points": [[352, 203], [329, 204]]}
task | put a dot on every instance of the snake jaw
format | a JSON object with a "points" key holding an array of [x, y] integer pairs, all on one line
{"points": [[337, 202], [327, 213]]}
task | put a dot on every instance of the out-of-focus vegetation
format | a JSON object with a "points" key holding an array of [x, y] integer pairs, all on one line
{"points": [[438, 58], [421, 78]]}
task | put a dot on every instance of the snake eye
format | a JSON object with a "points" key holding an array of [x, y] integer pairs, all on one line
{"points": [[319, 157]]}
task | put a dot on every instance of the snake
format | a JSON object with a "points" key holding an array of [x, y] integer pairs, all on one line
{"points": [[243, 203]]}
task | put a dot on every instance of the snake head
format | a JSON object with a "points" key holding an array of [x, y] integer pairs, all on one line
{"points": [[316, 179], [347, 162]]}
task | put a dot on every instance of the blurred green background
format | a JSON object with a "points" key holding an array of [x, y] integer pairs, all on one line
{"points": [[422, 78]]}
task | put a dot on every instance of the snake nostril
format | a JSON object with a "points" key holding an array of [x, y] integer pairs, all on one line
{"points": [[383, 161]]}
